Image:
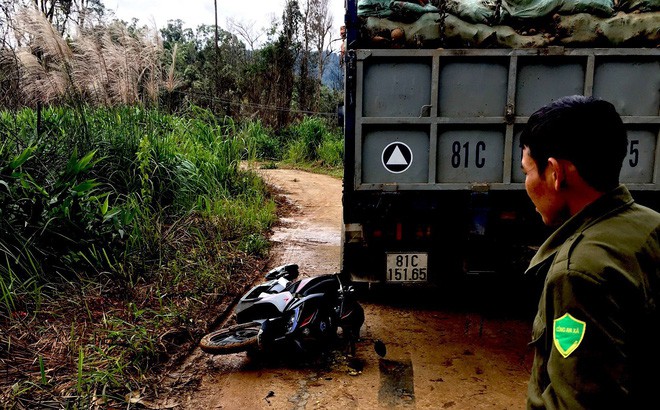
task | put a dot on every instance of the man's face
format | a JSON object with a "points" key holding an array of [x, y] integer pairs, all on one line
{"points": [[541, 190]]}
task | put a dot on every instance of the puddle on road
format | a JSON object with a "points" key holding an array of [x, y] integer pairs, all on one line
{"points": [[397, 387], [314, 247], [307, 234]]}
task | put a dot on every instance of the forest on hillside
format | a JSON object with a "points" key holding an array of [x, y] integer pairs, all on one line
{"points": [[76, 51]]}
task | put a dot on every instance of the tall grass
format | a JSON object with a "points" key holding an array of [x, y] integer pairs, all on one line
{"points": [[105, 65], [311, 142], [314, 141], [125, 225], [260, 142]]}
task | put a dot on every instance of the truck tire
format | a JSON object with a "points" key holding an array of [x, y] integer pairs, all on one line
{"points": [[234, 339]]}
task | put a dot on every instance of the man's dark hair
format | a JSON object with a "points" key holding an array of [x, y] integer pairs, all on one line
{"points": [[584, 130]]}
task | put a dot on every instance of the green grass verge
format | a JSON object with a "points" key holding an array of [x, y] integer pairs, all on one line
{"points": [[122, 232]]}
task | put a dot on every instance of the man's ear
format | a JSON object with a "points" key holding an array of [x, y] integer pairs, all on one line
{"points": [[557, 173]]}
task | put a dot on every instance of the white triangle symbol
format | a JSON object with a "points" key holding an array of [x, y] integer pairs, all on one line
{"points": [[397, 158]]}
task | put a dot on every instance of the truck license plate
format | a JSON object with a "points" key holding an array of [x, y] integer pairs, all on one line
{"points": [[407, 267]]}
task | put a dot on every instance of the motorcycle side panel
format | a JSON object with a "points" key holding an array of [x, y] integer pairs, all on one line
{"points": [[266, 307], [327, 284]]}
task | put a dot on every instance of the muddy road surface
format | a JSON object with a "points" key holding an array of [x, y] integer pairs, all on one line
{"points": [[462, 348]]}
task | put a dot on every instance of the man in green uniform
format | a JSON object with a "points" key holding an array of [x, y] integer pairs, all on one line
{"points": [[596, 334]]}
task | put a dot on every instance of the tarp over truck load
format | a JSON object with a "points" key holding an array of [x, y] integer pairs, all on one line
{"points": [[509, 23]]}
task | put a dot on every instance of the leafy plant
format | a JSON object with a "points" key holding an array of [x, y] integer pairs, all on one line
{"points": [[151, 199], [259, 142], [314, 141]]}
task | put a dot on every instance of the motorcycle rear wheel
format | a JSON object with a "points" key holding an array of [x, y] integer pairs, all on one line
{"points": [[233, 339]]}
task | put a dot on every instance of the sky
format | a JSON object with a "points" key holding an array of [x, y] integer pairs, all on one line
{"points": [[193, 13]]}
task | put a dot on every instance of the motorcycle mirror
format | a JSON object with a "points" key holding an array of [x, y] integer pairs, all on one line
{"points": [[288, 272]]}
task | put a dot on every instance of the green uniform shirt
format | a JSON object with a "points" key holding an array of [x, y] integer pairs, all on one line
{"points": [[596, 334]]}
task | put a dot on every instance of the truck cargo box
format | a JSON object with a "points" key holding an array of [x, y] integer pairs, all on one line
{"points": [[432, 180]]}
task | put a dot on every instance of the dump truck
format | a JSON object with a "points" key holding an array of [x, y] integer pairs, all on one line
{"points": [[435, 101]]}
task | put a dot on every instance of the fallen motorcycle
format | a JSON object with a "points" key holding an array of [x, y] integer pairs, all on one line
{"points": [[283, 312]]}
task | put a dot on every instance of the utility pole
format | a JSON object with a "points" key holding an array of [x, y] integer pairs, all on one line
{"points": [[217, 56]]}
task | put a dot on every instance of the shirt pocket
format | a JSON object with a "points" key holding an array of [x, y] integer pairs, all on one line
{"points": [[538, 332]]}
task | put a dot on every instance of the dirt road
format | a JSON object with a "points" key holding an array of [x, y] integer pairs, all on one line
{"points": [[441, 355]]}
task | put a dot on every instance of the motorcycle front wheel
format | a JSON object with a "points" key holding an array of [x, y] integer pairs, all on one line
{"points": [[234, 339]]}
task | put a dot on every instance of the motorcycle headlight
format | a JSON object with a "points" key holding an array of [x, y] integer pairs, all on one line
{"points": [[292, 320]]}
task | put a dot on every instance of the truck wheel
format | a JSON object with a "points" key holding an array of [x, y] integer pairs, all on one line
{"points": [[237, 338]]}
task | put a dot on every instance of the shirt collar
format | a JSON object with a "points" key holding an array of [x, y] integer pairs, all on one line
{"points": [[590, 214]]}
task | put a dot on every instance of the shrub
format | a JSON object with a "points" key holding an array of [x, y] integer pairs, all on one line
{"points": [[259, 142], [64, 213], [120, 229], [331, 152], [312, 140]]}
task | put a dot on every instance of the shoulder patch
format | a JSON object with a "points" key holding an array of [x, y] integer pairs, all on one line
{"points": [[567, 334]]}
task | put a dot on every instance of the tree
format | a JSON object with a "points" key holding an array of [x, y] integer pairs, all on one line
{"points": [[88, 12], [286, 50], [232, 73], [305, 83], [215, 48], [182, 54], [316, 26], [321, 24], [61, 12], [246, 31], [175, 33], [210, 70]]}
